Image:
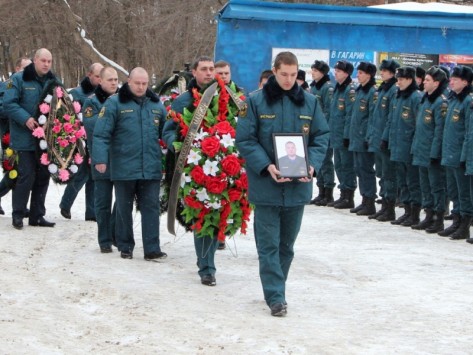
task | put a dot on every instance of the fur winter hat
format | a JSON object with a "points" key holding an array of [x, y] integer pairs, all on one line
{"points": [[321, 66], [367, 67], [462, 72], [389, 64], [406, 72], [420, 72], [347, 67], [436, 73]]}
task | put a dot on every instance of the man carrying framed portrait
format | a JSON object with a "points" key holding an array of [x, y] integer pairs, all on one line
{"points": [[278, 193]]}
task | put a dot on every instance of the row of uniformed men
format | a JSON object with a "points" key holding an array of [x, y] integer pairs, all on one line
{"points": [[419, 141]]}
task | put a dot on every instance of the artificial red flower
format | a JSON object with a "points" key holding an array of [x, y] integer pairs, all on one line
{"points": [[198, 175], [234, 194], [224, 127], [231, 165], [210, 146], [192, 202], [215, 184]]}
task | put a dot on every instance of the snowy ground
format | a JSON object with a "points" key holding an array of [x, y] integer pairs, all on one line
{"points": [[356, 287]]}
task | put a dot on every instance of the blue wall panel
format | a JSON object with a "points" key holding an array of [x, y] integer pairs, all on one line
{"points": [[248, 30]]}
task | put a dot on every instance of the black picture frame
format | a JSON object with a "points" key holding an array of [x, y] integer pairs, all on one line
{"points": [[297, 167]]}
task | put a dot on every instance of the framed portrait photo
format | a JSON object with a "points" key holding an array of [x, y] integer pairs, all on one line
{"points": [[291, 155]]}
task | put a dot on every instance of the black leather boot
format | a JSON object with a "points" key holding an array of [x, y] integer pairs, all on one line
{"points": [[320, 197], [328, 197], [437, 226], [340, 199], [380, 212], [389, 214], [347, 201], [463, 231], [453, 227], [414, 218], [368, 209], [405, 216], [427, 222], [359, 207]]}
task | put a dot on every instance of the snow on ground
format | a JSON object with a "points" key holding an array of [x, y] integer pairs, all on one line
{"points": [[356, 287]]}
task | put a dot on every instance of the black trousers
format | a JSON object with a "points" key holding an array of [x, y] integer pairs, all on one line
{"points": [[32, 178]]}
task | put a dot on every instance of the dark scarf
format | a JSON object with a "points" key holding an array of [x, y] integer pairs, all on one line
{"points": [[29, 74], [366, 88], [437, 92], [125, 94], [386, 85], [273, 92], [343, 86], [101, 94], [318, 85], [464, 93], [87, 86], [408, 92]]}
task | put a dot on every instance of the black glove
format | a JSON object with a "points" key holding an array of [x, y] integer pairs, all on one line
{"points": [[463, 165], [366, 145], [434, 161], [346, 142], [384, 145]]}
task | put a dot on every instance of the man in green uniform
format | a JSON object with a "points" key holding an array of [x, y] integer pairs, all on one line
{"points": [[203, 70], [456, 123], [102, 184], [364, 160], [21, 103], [397, 137], [322, 88], [126, 140], [340, 112], [385, 168], [281, 106], [427, 149], [83, 176]]}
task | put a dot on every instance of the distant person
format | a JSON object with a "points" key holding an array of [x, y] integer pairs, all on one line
{"points": [[340, 114], [21, 104], [420, 76], [222, 68], [83, 175], [453, 153], [291, 164], [126, 141], [397, 138], [301, 79], [5, 187], [427, 150], [322, 88], [263, 79], [385, 168]]}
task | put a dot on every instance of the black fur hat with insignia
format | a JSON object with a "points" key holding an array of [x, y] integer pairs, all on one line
{"points": [[462, 72], [367, 67], [389, 64], [321, 66], [406, 72], [436, 73], [347, 67]]}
